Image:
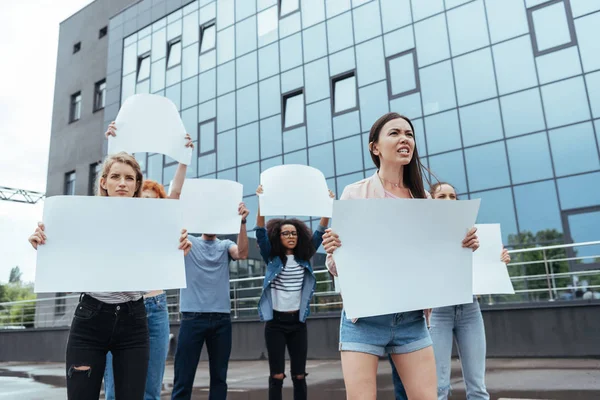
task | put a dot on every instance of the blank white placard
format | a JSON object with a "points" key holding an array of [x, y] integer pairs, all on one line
{"points": [[150, 123], [296, 190], [490, 275], [402, 255], [211, 205], [107, 244]]}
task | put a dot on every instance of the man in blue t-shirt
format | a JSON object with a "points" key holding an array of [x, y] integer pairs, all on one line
{"points": [[205, 311]]}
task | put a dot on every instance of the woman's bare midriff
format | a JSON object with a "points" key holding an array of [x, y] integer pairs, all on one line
{"points": [[154, 293]]}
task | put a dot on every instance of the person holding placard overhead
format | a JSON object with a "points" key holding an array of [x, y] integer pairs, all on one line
{"points": [[109, 321], [403, 335], [287, 246], [465, 323], [154, 301]]}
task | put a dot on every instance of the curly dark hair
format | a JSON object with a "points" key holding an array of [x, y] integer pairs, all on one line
{"points": [[304, 249]]}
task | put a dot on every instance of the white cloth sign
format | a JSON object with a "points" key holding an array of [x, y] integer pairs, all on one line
{"points": [[150, 123], [108, 244], [403, 254], [490, 275], [211, 205], [295, 190]]}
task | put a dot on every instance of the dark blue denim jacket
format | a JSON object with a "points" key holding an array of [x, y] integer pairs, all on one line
{"points": [[275, 266]]}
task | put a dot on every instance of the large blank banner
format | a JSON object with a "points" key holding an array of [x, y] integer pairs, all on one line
{"points": [[490, 275], [402, 255], [296, 190], [98, 244], [211, 205], [150, 123]]}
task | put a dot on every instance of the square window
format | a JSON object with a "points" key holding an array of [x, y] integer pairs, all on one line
{"points": [[75, 107], [268, 61], [247, 144], [423, 9], [348, 155], [487, 167], [226, 149], [270, 137], [318, 122], [565, 102], [468, 28], [497, 206], [102, 32], [268, 25], [450, 167], [287, 7], [574, 141], [587, 38], [474, 84], [551, 25], [294, 139], [290, 52], [298, 157], [537, 207], [246, 69], [370, 62], [245, 36], [321, 157], [269, 97], [571, 193], [344, 125], [506, 19], [315, 42], [529, 158], [208, 37], [247, 104], [373, 102], [367, 22], [558, 65], [174, 53], [76, 47], [143, 68], [402, 74], [339, 32], [70, 183], [345, 93], [481, 123], [515, 66], [317, 80], [522, 113], [437, 87], [432, 40], [293, 109], [443, 132], [395, 14], [100, 95]]}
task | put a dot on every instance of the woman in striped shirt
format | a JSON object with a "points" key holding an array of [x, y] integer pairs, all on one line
{"points": [[109, 321]]}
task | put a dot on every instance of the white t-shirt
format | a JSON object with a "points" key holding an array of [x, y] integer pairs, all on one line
{"points": [[286, 288]]}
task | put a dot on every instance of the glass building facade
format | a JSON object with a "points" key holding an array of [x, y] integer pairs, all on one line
{"points": [[504, 95]]}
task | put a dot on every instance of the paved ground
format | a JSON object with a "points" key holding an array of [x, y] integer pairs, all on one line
{"points": [[540, 379]]}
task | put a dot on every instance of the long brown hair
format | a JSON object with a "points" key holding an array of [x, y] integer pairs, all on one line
{"points": [[124, 158], [412, 175]]}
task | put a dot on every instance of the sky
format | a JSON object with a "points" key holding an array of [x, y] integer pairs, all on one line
{"points": [[28, 45]]}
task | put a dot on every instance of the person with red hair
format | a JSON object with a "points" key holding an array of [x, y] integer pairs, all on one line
{"points": [[155, 301]]}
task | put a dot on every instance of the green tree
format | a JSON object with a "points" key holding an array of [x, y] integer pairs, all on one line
{"points": [[15, 275], [15, 290]]}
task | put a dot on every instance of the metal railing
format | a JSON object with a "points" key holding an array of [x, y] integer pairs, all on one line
{"points": [[539, 274]]}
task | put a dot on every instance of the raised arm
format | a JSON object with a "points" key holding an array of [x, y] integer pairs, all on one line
{"points": [[179, 178], [260, 220], [240, 250]]}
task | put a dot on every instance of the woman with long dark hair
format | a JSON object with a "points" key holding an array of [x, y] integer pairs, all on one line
{"points": [[287, 246], [403, 335]]}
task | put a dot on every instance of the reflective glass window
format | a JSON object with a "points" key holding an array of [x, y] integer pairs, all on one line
{"points": [[174, 29], [474, 84], [348, 155], [487, 167], [341, 62], [450, 167], [551, 26], [208, 39], [174, 54], [247, 144], [173, 75], [395, 14], [343, 181], [593, 88], [226, 78], [268, 61], [229, 175], [207, 86], [537, 207], [344, 93], [288, 6], [225, 13], [367, 22], [143, 68], [225, 45], [269, 98], [207, 164], [318, 118], [515, 68], [347, 124], [292, 79], [506, 19], [143, 87], [370, 62], [582, 7], [424, 9], [522, 112], [130, 59], [291, 52], [402, 74], [189, 66], [339, 32], [207, 110], [481, 123], [173, 93], [155, 167], [294, 139], [399, 41], [468, 28], [373, 103], [443, 132], [497, 206], [432, 40], [208, 60], [144, 45], [127, 86], [572, 195], [190, 28], [587, 39], [245, 36], [574, 141], [270, 137], [157, 76], [317, 80], [297, 157], [368, 161], [321, 157], [249, 176], [207, 137], [268, 25], [246, 70], [226, 112], [558, 65], [189, 93], [289, 25], [437, 88], [270, 162], [226, 146], [189, 118], [315, 42], [565, 102], [159, 48], [244, 9], [247, 104], [335, 7], [293, 109], [420, 137], [529, 158], [409, 105]]}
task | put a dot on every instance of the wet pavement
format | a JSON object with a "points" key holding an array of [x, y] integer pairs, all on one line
{"points": [[540, 379]]}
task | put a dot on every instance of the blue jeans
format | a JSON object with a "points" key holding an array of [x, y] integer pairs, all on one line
{"points": [[158, 328], [195, 329]]}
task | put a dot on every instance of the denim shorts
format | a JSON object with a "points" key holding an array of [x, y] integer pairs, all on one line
{"points": [[385, 334]]}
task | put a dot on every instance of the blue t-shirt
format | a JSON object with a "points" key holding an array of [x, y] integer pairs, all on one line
{"points": [[207, 276]]}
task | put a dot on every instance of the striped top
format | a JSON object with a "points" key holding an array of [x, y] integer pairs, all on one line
{"points": [[286, 288], [116, 297]]}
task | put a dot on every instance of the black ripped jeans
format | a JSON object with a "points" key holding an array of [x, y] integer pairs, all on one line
{"points": [[98, 328], [285, 329]]}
